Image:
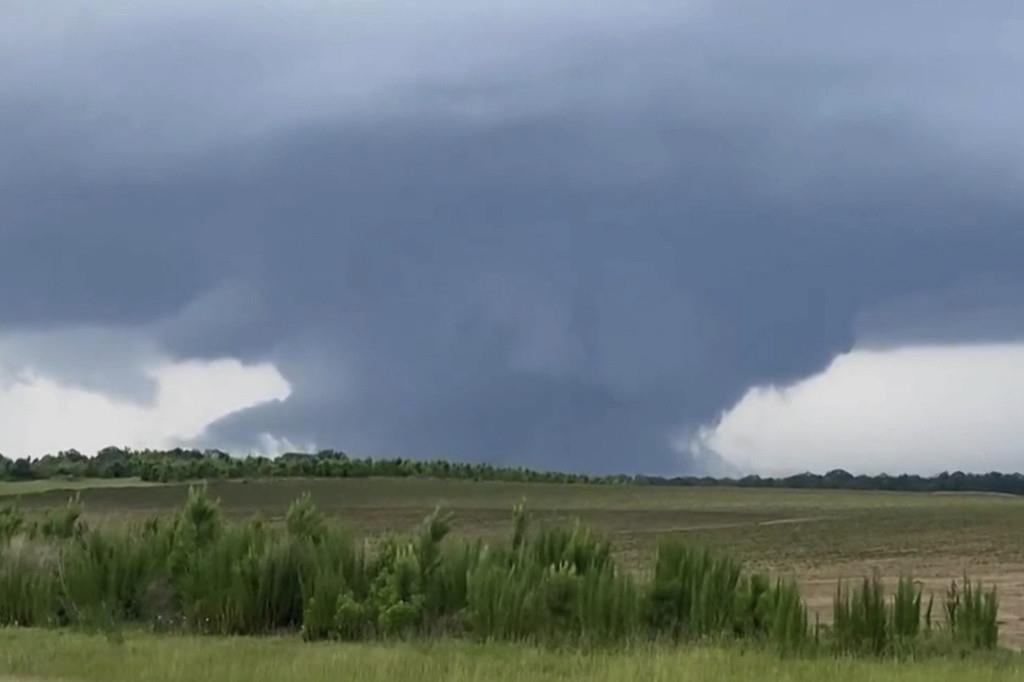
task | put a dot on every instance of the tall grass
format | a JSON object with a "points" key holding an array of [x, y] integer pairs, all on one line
{"points": [[195, 572], [697, 594], [971, 612], [861, 621], [866, 621]]}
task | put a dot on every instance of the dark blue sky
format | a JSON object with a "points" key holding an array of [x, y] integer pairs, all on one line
{"points": [[561, 236]]}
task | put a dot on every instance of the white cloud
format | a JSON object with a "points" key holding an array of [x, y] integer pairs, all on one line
{"points": [[270, 445], [39, 414], [920, 409]]}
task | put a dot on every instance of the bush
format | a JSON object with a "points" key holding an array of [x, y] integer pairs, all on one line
{"points": [[972, 615], [62, 524], [29, 588], [304, 521], [11, 523], [554, 585], [906, 611], [400, 618], [695, 594], [860, 622]]}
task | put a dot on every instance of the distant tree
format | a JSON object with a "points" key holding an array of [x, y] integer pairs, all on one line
{"points": [[21, 470]]}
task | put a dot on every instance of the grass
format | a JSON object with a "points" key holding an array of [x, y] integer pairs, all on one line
{"points": [[76, 657], [557, 585], [15, 488], [816, 536], [804, 529]]}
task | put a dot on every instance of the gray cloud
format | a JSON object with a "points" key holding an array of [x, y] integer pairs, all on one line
{"points": [[562, 236], [980, 311]]}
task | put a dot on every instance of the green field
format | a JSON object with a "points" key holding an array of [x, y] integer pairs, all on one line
{"points": [[814, 536], [9, 488], [70, 657]]}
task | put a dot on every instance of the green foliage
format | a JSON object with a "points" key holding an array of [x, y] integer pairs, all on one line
{"points": [[63, 523], [11, 523], [558, 585], [199, 522], [28, 585], [864, 622], [195, 465], [972, 615], [304, 521], [694, 593], [109, 577], [400, 618], [48, 655], [502, 603], [351, 618], [782, 616], [860, 620], [609, 606], [520, 525], [576, 547], [906, 617], [192, 465]]}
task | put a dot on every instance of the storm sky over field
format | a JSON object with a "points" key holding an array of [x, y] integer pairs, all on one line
{"points": [[668, 237]]}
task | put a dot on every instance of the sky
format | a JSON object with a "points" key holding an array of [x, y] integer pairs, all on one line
{"points": [[677, 237]]}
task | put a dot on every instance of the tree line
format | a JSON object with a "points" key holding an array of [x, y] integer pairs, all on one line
{"points": [[838, 479], [181, 465]]}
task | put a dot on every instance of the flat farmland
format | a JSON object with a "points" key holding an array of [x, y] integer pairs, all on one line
{"points": [[815, 536]]}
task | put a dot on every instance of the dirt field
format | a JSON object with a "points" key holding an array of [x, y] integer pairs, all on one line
{"points": [[816, 536]]}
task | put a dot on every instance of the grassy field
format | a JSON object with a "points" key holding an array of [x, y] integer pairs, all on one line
{"points": [[815, 536], [72, 657], [8, 488]]}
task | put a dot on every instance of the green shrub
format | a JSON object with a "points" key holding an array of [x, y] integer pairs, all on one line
{"points": [[906, 611], [972, 615], [28, 585], [350, 618], [200, 521], [860, 620], [783, 617], [400, 618], [304, 521], [694, 593], [865, 623], [11, 523], [608, 607], [61, 524], [108, 576], [502, 600], [576, 546], [553, 585]]}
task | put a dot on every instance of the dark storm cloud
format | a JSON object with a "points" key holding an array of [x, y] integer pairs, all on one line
{"points": [[980, 312], [561, 236]]}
